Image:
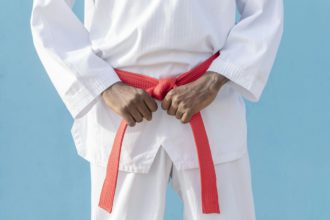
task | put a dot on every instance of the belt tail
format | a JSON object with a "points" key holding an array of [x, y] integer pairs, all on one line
{"points": [[109, 185], [209, 192]]}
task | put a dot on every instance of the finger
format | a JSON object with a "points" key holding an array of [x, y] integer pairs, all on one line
{"points": [[173, 108], [186, 117], [144, 111], [179, 114], [136, 114], [129, 119], [166, 103], [150, 103]]}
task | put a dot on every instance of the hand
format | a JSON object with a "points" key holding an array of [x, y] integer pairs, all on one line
{"points": [[133, 104], [186, 100]]}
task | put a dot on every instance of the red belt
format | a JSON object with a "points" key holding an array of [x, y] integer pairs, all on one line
{"points": [[158, 89]]}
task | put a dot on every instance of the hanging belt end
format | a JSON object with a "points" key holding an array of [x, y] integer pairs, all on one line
{"points": [[107, 206], [211, 210], [106, 197]]}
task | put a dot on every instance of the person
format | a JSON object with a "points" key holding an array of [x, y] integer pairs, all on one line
{"points": [[118, 72]]}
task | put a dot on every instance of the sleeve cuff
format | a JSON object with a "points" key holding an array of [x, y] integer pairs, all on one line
{"points": [[245, 83], [78, 102]]}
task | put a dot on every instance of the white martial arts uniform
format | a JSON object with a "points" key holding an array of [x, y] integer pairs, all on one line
{"points": [[158, 38], [236, 199]]}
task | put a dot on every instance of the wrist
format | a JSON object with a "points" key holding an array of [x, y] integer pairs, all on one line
{"points": [[112, 86], [217, 80]]}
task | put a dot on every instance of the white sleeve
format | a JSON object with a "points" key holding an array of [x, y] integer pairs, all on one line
{"points": [[250, 50], [64, 48]]}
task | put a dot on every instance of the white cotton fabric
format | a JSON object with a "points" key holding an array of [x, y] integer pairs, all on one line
{"points": [[142, 196], [157, 38]]}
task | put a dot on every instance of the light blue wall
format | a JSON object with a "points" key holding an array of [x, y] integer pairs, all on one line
{"points": [[41, 176]]}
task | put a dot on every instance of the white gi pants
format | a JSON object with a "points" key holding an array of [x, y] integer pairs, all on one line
{"points": [[142, 195]]}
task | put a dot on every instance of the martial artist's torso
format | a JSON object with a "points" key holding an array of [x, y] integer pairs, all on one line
{"points": [[161, 38]]}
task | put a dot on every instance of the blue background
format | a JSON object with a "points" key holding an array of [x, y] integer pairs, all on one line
{"points": [[41, 176]]}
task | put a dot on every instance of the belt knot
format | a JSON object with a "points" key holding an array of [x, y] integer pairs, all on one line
{"points": [[163, 87]]}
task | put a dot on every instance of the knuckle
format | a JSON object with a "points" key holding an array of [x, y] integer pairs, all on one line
{"points": [[175, 103], [133, 102], [129, 104], [137, 96], [175, 98], [123, 109], [184, 105], [180, 97], [170, 93]]}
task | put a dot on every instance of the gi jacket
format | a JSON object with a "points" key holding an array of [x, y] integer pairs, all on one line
{"points": [[157, 38]]}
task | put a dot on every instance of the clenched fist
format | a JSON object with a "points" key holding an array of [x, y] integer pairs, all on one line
{"points": [[186, 100], [133, 104]]}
